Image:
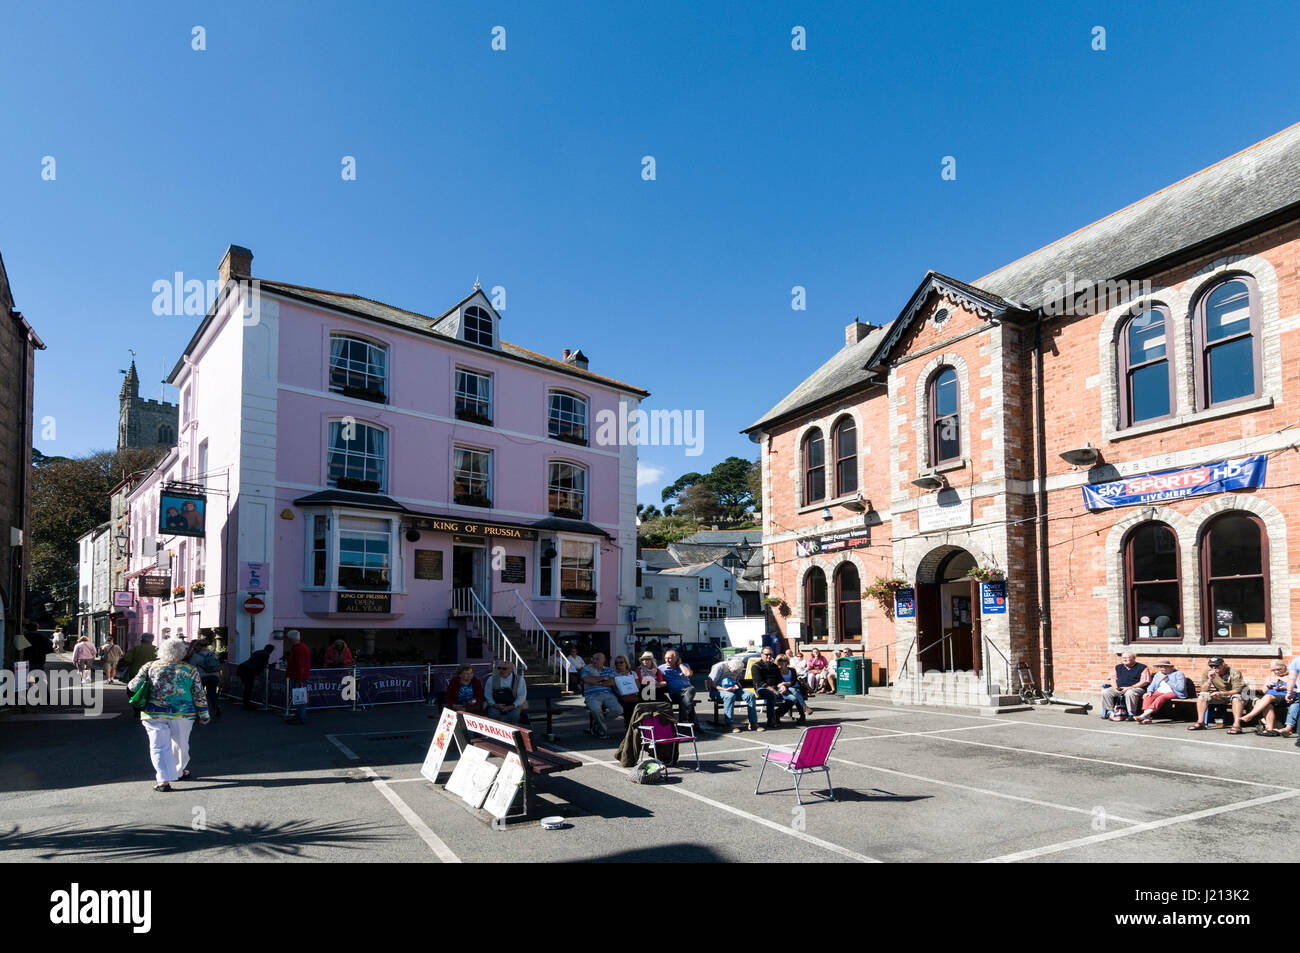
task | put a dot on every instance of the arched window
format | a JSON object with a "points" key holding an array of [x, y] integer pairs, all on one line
{"points": [[1154, 583], [814, 605], [477, 325], [357, 456], [166, 434], [845, 436], [814, 472], [358, 368], [568, 418], [945, 417], [1234, 577], [1146, 390], [566, 490], [848, 603], [1226, 331]]}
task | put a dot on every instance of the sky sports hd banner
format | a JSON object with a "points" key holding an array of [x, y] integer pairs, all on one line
{"points": [[1244, 474]]}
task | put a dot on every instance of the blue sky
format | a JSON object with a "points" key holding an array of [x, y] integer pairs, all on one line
{"points": [[774, 168]]}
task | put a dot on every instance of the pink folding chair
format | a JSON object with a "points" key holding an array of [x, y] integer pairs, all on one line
{"points": [[812, 753], [655, 731]]}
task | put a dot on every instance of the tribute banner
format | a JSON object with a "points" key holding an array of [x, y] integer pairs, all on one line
{"points": [[391, 685], [1245, 474]]}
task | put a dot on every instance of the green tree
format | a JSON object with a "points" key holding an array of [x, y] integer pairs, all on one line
{"points": [[70, 497], [754, 481], [731, 483], [699, 502], [671, 492]]}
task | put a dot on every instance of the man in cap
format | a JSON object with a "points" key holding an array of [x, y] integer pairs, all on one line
{"points": [[724, 685], [1220, 685]]}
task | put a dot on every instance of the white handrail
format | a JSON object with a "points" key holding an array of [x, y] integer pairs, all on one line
{"points": [[537, 634], [467, 602]]}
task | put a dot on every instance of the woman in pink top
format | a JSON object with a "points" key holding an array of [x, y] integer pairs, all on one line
{"points": [[83, 655], [816, 672]]}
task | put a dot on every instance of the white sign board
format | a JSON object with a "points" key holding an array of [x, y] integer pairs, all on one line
{"points": [[442, 738], [473, 776], [930, 518], [506, 788], [255, 577]]}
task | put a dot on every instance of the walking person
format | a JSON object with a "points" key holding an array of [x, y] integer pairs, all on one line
{"points": [[83, 657], [138, 655], [248, 671], [209, 666], [58, 638], [176, 699], [111, 653], [296, 670]]}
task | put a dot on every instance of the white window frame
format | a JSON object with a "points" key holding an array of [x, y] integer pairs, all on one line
{"points": [[706, 584], [552, 487], [334, 532], [458, 394], [455, 472], [571, 416], [364, 455], [348, 365]]}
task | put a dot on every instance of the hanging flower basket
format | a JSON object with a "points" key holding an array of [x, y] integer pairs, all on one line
{"points": [[178, 591], [198, 588], [982, 574], [882, 590]]}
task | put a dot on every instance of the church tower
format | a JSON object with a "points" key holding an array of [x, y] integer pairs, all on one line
{"points": [[144, 423]]}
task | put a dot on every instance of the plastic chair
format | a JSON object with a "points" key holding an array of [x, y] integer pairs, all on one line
{"points": [[812, 753], [655, 731]]}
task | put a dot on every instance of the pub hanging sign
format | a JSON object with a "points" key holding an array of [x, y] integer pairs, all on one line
{"points": [[182, 509]]}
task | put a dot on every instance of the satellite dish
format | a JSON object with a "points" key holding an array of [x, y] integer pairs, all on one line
{"points": [[1085, 456]]}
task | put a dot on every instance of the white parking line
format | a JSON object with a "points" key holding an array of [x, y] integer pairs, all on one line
{"points": [[435, 842], [754, 818], [1139, 828], [1113, 764]]}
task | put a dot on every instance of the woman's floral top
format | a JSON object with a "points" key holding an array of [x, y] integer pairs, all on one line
{"points": [[175, 691]]}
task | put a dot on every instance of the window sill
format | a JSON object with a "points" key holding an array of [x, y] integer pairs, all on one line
{"points": [[826, 504], [1183, 420], [950, 466]]}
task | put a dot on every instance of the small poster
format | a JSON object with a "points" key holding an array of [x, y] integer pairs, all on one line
{"points": [[473, 776], [993, 597], [442, 738], [255, 577], [506, 787], [428, 564], [515, 569], [122, 598], [155, 587], [905, 603]]}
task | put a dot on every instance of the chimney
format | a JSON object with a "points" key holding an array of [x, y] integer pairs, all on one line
{"points": [[565, 356], [578, 359], [856, 331], [237, 263]]}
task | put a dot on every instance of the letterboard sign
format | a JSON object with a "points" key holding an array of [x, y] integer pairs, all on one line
{"points": [[428, 564], [515, 569], [365, 602]]}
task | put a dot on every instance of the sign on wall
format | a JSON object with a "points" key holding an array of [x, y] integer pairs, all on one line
{"points": [[255, 577], [155, 587], [831, 542], [905, 603], [993, 597], [122, 599], [515, 569], [428, 564], [577, 610], [439, 524], [930, 518], [365, 602], [1246, 473], [181, 510]]}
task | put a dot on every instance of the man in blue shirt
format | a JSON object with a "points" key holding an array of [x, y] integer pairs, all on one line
{"points": [[677, 675], [598, 691]]}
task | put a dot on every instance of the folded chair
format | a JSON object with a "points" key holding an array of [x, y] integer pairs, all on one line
{"points": [[655, 731], [812, 753]]}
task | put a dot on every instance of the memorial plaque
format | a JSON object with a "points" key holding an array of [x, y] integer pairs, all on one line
{"points": [[577, 610], [515, 570], [428, 564]]}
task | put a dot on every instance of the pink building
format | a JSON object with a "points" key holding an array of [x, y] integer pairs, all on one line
{"points": [[411, 484]]}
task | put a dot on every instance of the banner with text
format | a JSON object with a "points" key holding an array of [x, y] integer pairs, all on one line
{"points": [[1244, 474]]}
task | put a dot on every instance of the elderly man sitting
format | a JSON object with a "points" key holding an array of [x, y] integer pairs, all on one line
{"points": [[506, 692], [1128, 681], [724, 685], [1220, 685]]}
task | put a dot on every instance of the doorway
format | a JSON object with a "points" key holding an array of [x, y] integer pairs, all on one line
{"points": [[945, 607], [469, 571]]}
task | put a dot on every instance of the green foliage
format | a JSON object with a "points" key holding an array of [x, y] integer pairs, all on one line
{"points": [[699, 502], [70, 497], [882, 590], [733, 488], [658, 533]]}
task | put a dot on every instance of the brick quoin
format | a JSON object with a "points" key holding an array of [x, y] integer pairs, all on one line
{"points": [[998, 473]]}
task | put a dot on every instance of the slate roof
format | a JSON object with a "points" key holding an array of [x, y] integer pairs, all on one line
{"points": [[1234, 192], [559, 525], [424, 324], [845, 371], [725, 537], [1241, 190], [656, 559]]}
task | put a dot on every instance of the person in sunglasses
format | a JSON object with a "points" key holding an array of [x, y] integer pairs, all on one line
{"points": [[506, 692]]}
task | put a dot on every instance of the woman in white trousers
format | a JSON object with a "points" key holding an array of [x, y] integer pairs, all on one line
{"points": [[176, 699]]}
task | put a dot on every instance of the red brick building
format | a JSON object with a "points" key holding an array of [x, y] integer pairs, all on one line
{"points": [[1165, 337]]}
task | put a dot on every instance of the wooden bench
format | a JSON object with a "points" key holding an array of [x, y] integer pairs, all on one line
{"points": [[536, 760], [504, 739]]}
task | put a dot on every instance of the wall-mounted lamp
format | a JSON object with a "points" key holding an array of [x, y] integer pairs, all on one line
{"points": [[931, 482]]}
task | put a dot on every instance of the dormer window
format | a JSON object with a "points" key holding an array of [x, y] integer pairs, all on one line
{"points": [[358, 368], [477, 325]]}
